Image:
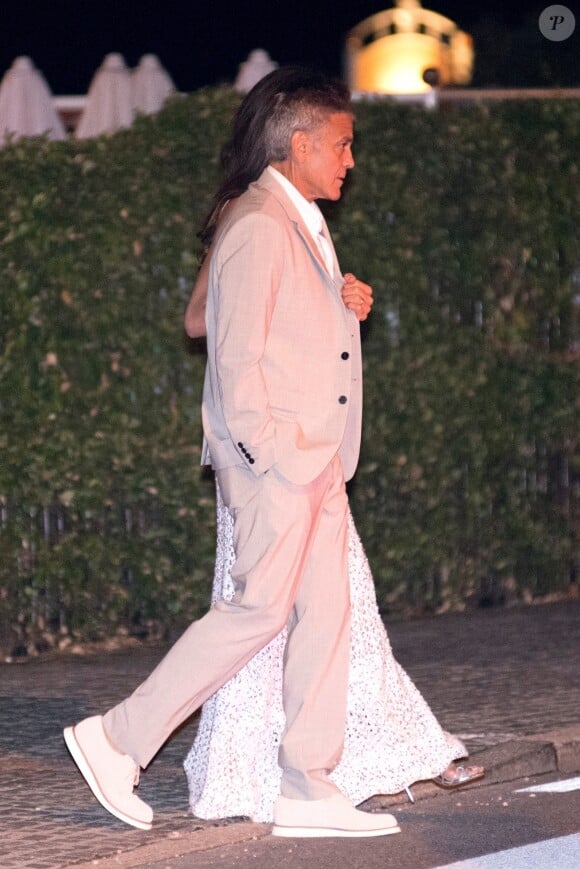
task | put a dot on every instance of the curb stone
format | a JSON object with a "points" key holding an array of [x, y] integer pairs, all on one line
{"points": [[178, 845], [566, 745]]}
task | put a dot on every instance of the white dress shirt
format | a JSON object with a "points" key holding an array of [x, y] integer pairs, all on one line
{"points": [[312, 217]]}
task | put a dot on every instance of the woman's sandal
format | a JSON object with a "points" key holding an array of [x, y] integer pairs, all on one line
{"points": [[457, 776]]}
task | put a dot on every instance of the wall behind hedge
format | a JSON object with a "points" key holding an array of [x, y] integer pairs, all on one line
{"points": [[465, 223]]}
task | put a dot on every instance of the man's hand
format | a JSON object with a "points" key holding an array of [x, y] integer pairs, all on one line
{"points": [[357, 296]]}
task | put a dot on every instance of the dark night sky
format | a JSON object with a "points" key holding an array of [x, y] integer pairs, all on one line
{"points": [[203, 43]]}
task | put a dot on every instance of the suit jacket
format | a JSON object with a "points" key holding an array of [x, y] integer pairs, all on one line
{"points": [[283, 382]]}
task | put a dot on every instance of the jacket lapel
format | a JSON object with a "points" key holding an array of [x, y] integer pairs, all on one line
{"points": [[267, 181]]}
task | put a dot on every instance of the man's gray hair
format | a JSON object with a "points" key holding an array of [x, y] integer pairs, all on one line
{"points": [[307, 108]]}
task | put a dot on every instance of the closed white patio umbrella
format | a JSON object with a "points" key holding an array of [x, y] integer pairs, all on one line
{"points": [[151, 85], [109, 105], [26, 107], [258, 64]]}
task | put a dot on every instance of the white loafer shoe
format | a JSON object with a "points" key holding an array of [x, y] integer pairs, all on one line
{"points": [[334, 816], [110, 775]]}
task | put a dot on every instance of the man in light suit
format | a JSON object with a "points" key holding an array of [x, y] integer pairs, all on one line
{"points": [[281, 416]]}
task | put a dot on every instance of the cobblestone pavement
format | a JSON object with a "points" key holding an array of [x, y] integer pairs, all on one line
{"points": [[490, 677]]}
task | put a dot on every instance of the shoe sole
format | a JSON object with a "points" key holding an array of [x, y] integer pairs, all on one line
{"points": [[88, 775], [326, 832]]}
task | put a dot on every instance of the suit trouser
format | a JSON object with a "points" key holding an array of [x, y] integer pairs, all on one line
{"points": [[291, 566]]}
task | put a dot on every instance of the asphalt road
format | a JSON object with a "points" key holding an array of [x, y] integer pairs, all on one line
{"points": [[436, 832]]}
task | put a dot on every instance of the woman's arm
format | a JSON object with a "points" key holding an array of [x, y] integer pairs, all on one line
{"points": [[194, 320]]}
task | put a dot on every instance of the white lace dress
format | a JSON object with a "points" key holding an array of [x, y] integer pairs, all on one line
{"points": [[392, 738]]}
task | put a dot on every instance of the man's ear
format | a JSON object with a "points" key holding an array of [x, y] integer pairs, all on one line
{"points": [[300, 145]]}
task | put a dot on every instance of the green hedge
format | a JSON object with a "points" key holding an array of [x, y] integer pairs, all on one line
{"points": [[465, 223]]}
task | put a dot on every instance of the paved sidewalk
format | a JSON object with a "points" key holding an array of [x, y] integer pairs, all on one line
{"points": [[506, 680]]}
